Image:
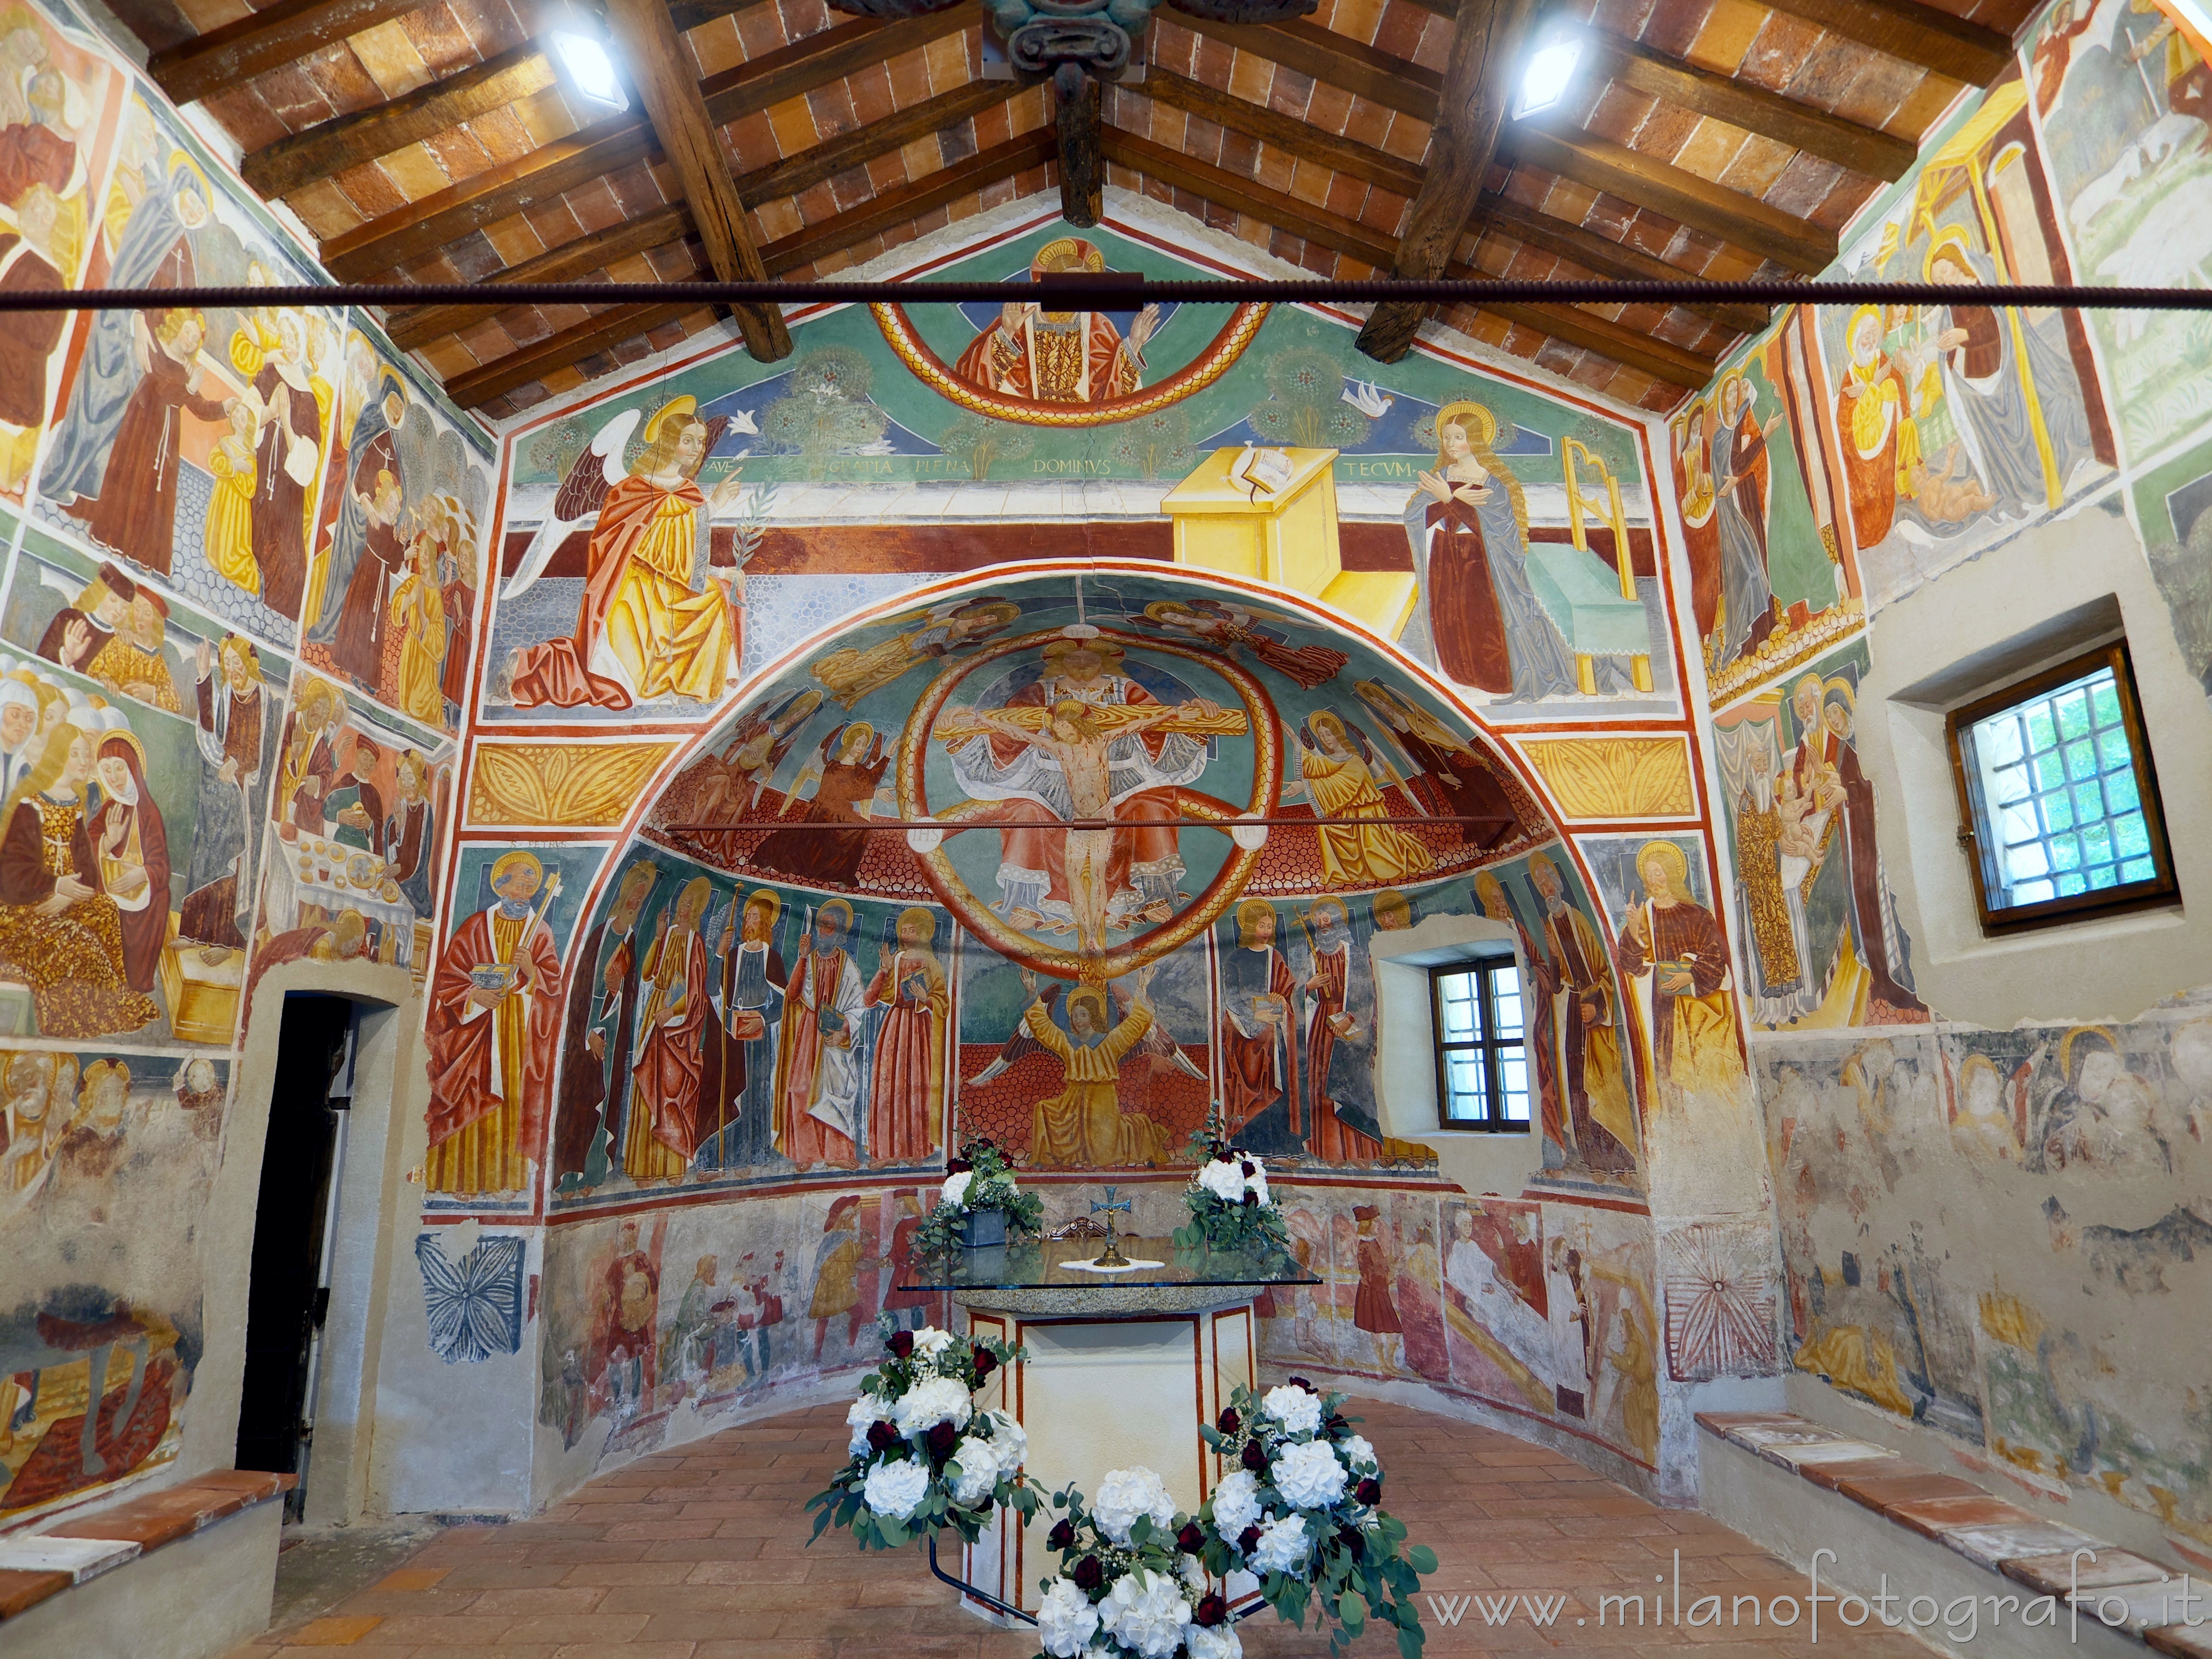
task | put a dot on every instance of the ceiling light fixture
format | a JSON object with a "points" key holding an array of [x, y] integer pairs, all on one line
{"points": [[590, 69], [1551, 72]]}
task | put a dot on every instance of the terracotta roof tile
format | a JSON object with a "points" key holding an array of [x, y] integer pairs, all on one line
{"points": [[503, 137], [715, 46], [833, 110], [869, 92], [456, 154], [1251, 76], [517, 238], [1358, 18], [388, 56], [340, 76]]}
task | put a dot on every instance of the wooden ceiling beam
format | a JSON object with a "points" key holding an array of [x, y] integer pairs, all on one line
{"points": [[1743, 104], [1357, 67], [264, 40], [595, 334], [1487, 36], [331, 146], [1242, 194], [1921, 34], [607, 146], [1602, 257], [667, 82], [1576, 327], [414, 326], [1076, 122], [1270, 126], [1739, 220]]}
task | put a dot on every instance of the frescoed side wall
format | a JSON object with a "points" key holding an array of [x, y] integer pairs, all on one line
{"points": [[1985, 1232]]}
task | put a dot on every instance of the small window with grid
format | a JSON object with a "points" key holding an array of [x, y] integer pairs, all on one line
{"points": [[1482, 1062], [2060, 801]]}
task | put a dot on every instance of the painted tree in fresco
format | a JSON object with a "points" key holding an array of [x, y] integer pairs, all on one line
{"points": [[1305, 405], [1157, 444], [980, 440], [824, 411]]}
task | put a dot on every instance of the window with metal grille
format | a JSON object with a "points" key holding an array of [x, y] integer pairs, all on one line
{"points": [[1482, 1062], [2060, 801]]}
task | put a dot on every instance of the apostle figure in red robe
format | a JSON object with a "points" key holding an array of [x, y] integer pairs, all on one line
{"points": [[666, 1083], [1059, 356], [906, 1092], [1260, 1094], [492, 1030]]}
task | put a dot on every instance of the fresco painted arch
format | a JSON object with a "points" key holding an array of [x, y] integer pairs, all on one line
{"points": [[1151, 826]]}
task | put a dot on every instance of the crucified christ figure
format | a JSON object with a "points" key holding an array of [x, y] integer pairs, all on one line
{"points": [[1078, 745]]}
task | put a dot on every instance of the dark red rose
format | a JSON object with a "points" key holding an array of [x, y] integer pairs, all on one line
{"points": [[900, 1343], [1088, 1574], [1225, 1155], [958, 1166], [1255, 1458], [1350, 1538], [1249, 1169], [985, 1364], [1368, 1490], [1252, 1198], [1061, 1537], [1228, 1422], [941, 1439], [1249, 1539], [1300, 1382], [1190, 1541], [881, 1437], [1212, 1609]]}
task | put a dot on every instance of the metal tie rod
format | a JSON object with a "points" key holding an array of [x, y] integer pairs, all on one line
{"points": [[1115, 296]]}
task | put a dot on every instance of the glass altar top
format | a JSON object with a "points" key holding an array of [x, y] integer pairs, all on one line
{"points": [[1050, 1264]]}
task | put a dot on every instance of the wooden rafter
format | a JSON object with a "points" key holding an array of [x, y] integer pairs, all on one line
{"points": [[661, 68], [579, 258], [1662, 362], [1753, 107], [886, 212], [1602, 256], [1271, 126], [1659, 359], [1921, 34], [1325, 55], [1082, 168], [1479, 84], [1748, 223], [332, 146], [264, 40], [605, 147]]}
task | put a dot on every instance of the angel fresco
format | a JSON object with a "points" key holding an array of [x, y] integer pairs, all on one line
{"points": [[1084, 1126], [1449, 777], [1213, 623], [851, 674], [849, 767], [643, 631], [1344, 776]]}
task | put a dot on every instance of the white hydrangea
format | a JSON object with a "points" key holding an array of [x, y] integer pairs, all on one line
{"points": [[932, 1401], [956, 1188], [1256, 1182], [1192, 1574], [894, 1489], [1360, 1453], [1235, 1504], [1283, 1546], [1309, 1475], [1010, 1441], [1214, 1641], [979, 1470], [1066, 1619], [1146, 1610], [868, 1409], [929, 1342], [1124, 1495], [1225, 1181], [1298, 1412]]}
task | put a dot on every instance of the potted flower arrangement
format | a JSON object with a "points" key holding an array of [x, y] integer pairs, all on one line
{"points": [[1302, 1510], [1229, 1208], [923, 1456], [1131, 1583], [980, 1204]]}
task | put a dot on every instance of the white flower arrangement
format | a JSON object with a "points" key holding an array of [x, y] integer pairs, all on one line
{"points": [[1302, 1510], [1229, 1204], [1127, 1493], [980, 1179], [911, 1468], [1131, 1584]]}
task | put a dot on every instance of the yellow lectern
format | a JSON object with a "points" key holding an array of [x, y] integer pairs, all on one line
{"points": [[1227, 519]]}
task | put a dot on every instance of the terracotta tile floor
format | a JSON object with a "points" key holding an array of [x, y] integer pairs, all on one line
{"points": [[699, 1553]]}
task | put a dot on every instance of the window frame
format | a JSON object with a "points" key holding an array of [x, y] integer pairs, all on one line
{"points": [[1487, 1043], [2160, 889]]}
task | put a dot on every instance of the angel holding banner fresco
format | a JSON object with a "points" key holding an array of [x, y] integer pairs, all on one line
{"points": [[643, 630]]}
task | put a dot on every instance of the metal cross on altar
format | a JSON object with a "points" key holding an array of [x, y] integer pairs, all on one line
{"points": [[1112, 1256]]}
